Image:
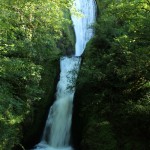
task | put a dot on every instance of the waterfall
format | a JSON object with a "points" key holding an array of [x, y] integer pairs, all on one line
{"points": [[56, 135], [82, 25]]}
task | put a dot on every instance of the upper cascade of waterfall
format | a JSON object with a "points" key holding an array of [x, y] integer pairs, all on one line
{"points": [[82, 24]]}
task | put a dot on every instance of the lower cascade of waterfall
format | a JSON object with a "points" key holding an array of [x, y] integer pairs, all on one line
{"points": [[56, 135]]}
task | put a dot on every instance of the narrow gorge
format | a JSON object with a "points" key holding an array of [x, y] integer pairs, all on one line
{"points": [[56, 135]]}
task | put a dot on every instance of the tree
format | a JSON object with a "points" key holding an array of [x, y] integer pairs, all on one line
{"points": [[29, 34], [114, 77]]}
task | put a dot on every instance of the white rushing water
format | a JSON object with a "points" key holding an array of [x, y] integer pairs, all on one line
{"points": [[82, 25], [56, 134]]}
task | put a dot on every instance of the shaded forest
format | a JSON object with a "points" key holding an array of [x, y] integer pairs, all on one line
{"points": [[112, 102]]}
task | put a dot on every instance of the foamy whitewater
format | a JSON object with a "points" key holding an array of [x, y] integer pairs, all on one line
{"points": [[56, 135]]}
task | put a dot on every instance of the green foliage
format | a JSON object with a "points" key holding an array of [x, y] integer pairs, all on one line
{"points": [[114, 77], [102, 136], [29, 35]]}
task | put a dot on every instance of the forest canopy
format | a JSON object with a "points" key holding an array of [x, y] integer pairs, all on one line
{"points": [[113, 99], [29, 35]]}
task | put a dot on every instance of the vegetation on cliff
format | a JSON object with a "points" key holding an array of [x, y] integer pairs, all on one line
{"points": [[30, 32], [112, 98]]}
